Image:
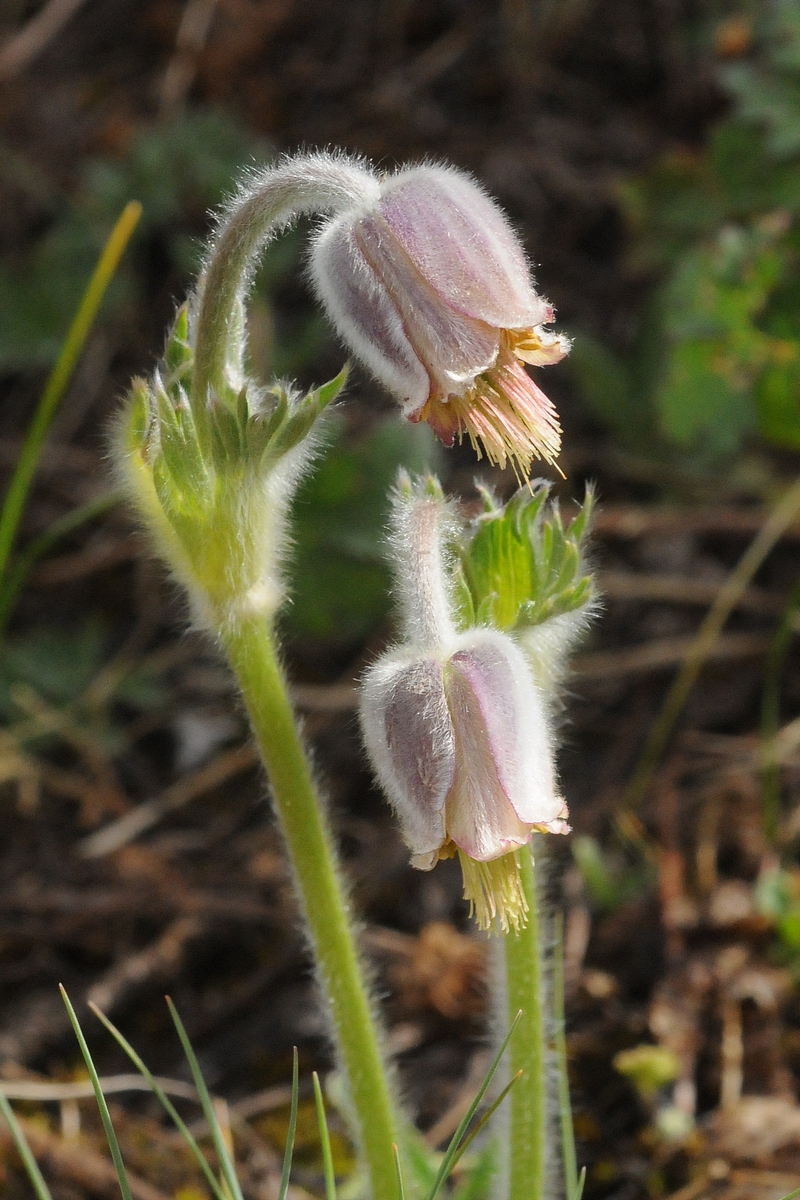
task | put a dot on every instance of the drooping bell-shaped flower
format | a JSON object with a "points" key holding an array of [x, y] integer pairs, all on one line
{"points": [[429, 285], [457, 731]]}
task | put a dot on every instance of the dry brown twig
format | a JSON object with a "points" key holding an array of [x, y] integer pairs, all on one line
{"points": [[21, 49], [129, 826], [189, 42]]}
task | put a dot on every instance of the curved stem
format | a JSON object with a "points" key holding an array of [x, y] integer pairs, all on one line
{"points": [[527, 1049], [252, 655], [268, 202]]}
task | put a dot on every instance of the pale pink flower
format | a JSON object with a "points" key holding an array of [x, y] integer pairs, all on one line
{"points": [[456, 729], [430, 287], [461, 746]]}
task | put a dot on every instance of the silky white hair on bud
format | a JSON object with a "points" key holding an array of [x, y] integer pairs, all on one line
{"points": [[423, 527]]}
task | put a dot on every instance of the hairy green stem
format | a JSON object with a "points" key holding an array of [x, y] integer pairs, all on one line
{"points": [[269, 201], [528, 1049], [251, 652]]}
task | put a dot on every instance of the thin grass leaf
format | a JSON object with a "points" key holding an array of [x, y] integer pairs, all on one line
{"points": [[105, 1115], [484, 1121], [59, 529], [325, 1141], [23, 1149], [166, 1103], [401, 1191], [568, 1155], [60, 376], [458, 1136], [478, 1183], [290, 1135], [582, 1184], [225, 1161], [792, 1195]]}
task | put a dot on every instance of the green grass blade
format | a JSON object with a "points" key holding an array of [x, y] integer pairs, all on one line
{"points": [[458, 1136], [290, 1135], [61, 528], [325, 1141], [478, 1184], [568, 1155], [401, 1191], [60, 376], [105, 1116], [225, 1161], [582, 1184], [166, 1103], [23, 1149], [484, 1121]]}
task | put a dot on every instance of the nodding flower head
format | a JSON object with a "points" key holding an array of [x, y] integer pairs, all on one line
{"points": [[428, 284], [457, 733]]}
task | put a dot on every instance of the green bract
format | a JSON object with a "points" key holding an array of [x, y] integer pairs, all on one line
{"points": [[519, 566], [213, 481]]}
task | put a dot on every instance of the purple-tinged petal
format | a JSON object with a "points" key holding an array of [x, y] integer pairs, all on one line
{"points": [[512, 714], [463, 245], [479, 816], [365, 315], [409, 737], [454, 348]]}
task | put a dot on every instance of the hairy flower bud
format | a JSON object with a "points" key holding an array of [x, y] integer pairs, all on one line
{"points": [[461, 747], [457, 732], [430, 287]]}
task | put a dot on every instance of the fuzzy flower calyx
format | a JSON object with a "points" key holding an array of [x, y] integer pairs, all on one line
{"points": [[457, 731], [213, 482], [429, 285]]}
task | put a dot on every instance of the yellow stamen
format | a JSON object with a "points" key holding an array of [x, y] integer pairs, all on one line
{"points": [[504, 414], [495, 893]]}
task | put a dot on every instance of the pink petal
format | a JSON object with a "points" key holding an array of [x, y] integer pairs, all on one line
{"points": [[512, 714], [409, 737], [479, 816], [364, 314], [463, 245], [454, 348]]}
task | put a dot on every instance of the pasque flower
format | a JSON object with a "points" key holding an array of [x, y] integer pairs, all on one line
{"points": [[422, 276], [429, 285], [456, 728]]}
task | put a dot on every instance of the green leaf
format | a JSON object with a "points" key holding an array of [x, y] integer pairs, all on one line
{"points": [[23, 1149], [105, 1116], [519, 566], [778, 401], [401, 1191], [325, 1141], [573, 1186], [292, 1130], [451, 1154], [165, 1101], [226, 1164]]}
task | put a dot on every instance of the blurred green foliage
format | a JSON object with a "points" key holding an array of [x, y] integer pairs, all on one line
{"points": [[177, 171], [777, 897], [717, 356], [339, 576], [609, 880]]}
